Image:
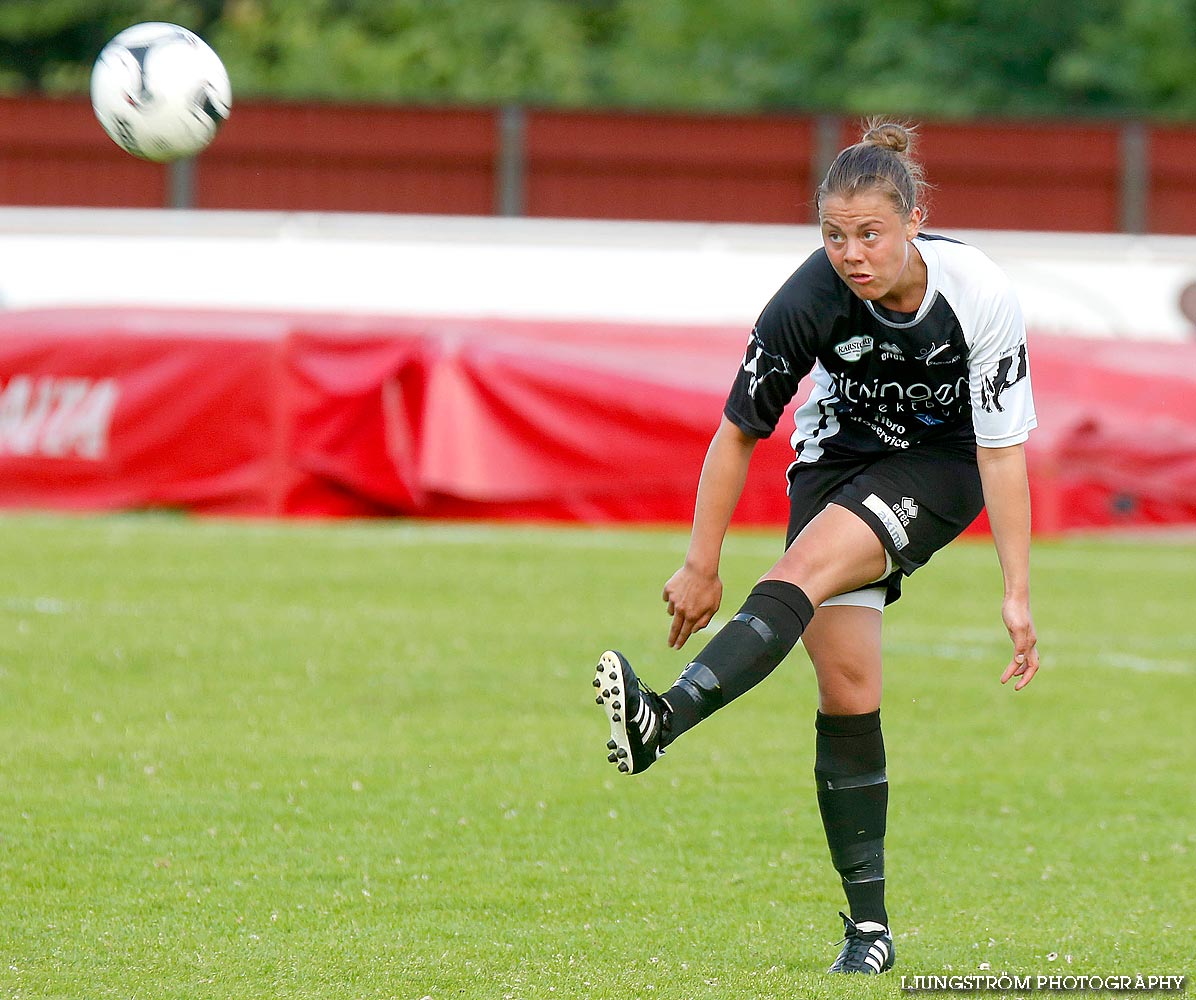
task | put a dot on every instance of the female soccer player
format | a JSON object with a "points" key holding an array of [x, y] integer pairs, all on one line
{"points": [[920, 408]]}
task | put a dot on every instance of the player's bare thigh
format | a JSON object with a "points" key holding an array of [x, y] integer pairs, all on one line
{"points": [[844, 644], [834, 553]]}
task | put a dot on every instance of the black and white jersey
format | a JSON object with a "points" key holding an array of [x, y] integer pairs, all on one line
{"points": [[956, 370]]}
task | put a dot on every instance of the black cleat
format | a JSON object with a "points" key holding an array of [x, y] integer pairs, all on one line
{"points": [[637, 714], [867, 948]]}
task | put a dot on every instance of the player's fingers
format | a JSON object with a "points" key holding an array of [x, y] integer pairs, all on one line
{"points": [[1029, 668], [1024, 665], [697, 624], [1026, 678], [1016, 666], [675, 631], [1010, 671], [681, 629], [688, 627]]}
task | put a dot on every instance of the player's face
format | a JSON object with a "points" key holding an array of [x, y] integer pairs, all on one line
{"points": [[867, 241]]}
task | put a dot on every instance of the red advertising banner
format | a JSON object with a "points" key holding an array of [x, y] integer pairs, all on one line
{"points": [[270, 414], [111, 410]]}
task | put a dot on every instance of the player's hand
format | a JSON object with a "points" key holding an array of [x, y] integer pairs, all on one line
{"points": [[1020, 624], [692, 598]]}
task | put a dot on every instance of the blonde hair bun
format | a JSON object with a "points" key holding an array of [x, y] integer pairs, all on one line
{"points": [[889, 135], [882, 159]]}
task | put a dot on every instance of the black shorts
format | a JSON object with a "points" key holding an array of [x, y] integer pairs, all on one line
{"points": [[916, 501]]}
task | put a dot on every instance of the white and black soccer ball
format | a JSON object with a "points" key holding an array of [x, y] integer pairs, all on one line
{"points": [[160, 91]]}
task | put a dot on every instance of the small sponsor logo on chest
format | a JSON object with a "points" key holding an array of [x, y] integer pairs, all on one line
{"points": [[939, 354], [855, 348]]}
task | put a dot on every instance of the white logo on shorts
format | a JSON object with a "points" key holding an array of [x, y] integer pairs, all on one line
{"points": [[889, 519]]}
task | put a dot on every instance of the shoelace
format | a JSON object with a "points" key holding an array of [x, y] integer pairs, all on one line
{"points": [[856, 942], [664, 714]]}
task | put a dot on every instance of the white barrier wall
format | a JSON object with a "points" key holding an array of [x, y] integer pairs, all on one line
{"points": [[1106, 286]]}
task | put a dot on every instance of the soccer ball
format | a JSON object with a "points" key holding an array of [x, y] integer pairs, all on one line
{"points": [[160, 92]]}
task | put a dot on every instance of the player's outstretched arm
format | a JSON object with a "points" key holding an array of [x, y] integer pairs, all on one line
{"points": [[1007, 497], [693, 594]]}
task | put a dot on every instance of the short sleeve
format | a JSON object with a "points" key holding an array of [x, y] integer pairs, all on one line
{"points": [[780, 351], [999, 375]]}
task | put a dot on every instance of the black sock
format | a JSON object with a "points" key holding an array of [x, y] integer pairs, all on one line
{"points": [[853, 797], [745, 651]]}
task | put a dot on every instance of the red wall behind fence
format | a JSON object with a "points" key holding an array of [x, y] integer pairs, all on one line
{"points": [[711, 169], [1028, 176], [1173, 180], [1043, 175], [351, 159]]}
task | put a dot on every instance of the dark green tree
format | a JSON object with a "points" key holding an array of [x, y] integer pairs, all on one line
{"points": [[951, 58], [1140, 61], [50, 45], [946, 58], [925, 58], [720, 54], [405, 50]]}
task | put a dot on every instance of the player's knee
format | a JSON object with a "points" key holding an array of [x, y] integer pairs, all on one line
{"points": [[839, 658], [802, 569], [846, 686]]}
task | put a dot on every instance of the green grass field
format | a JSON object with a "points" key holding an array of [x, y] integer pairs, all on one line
{"points": [[358, 760]]}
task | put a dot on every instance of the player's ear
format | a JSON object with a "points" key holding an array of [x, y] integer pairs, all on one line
{"points": [[913, 225]]}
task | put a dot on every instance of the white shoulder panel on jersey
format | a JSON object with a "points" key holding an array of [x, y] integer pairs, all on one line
{"points": [[984, 302]]}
